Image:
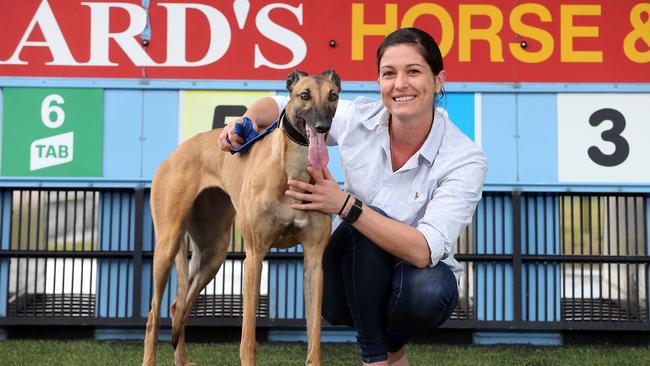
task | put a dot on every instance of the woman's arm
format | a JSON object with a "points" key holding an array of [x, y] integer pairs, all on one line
{"points": [[325, 195], [401, 240], [263, 112]]}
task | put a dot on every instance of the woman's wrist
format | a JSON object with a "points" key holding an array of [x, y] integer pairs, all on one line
{"points": [[351, 209], [344, 206]]}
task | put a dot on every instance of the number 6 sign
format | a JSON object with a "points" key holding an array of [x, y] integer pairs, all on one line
{"points": [[603, 138], [52, 132]]}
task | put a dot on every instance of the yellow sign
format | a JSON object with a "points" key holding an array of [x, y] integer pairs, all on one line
{"points": [[203, 110]]}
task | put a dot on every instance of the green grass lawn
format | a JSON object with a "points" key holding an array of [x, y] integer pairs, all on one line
{"points": [[69, 353]]}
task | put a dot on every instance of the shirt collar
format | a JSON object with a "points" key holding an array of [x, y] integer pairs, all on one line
{"points": [[431, 146], [429, 150]]}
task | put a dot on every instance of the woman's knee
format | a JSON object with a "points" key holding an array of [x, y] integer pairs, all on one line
{"points": [[440, 283], [337, 317], [429, 294]]}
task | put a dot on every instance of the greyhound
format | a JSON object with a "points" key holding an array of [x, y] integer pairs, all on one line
{"points": [[199, 189]]}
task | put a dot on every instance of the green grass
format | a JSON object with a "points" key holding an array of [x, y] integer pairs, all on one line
{"points": [[69, 353]]}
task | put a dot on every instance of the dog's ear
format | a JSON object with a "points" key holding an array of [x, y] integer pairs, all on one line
{"points": [[293, 78], [332, 75]]}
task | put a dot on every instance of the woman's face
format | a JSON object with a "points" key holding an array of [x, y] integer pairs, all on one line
{"points": [[407, 83]]}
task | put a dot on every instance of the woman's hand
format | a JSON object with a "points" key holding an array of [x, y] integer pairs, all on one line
{"points": [[235, 140], [229, 131], [324, 195]]}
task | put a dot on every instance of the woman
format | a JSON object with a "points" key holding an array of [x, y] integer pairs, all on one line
{"points": [[412, 183]]}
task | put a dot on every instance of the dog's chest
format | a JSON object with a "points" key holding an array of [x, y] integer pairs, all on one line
{"points": [[285, 223], [287, 218]]}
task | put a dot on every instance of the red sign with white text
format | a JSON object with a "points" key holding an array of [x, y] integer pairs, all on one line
{"points": [[482, 41]]}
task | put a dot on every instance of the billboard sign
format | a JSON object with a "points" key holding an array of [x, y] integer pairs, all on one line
{"points": [[481, 41]]}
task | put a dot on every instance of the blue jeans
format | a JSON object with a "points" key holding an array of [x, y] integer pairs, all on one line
{"points": [[385, 299]]}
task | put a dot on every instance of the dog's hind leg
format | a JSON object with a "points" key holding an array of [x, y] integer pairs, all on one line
{"points": [[179, 303], [162, 263], [169, 225], [209, 225]]}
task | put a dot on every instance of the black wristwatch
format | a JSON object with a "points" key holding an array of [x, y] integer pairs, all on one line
{"points": [[354, 212]]}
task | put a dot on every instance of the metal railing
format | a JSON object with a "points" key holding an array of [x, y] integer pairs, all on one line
{"points": [[532, 261]]}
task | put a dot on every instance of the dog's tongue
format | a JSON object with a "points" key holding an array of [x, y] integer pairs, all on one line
{"points": [[318, 157]]}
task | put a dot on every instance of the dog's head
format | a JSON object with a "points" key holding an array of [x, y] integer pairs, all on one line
{"points": [[311, 107], [313, 100]]}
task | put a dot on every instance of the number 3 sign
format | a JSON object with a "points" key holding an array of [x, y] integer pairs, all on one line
{"points": [[603, 138]]}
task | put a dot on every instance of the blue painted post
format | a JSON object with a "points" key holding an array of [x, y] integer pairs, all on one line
{"points": [[5, 224], [115, 276], [494, 280], [540, 235]]}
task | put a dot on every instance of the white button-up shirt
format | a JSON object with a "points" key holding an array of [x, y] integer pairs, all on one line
{"points": [[436, 190]]}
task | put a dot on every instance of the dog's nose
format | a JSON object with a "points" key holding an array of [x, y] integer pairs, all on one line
{"points": [[322, 129]]}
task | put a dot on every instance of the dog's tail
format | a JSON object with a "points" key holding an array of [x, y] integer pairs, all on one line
{"points": [[178, 308]]}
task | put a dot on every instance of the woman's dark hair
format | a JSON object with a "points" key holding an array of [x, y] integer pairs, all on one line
{"points": [[423, 41]]}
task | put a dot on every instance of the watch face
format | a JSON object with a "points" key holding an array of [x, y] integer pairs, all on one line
{"points": [[354, 212]]}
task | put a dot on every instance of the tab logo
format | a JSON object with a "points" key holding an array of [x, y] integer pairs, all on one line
{"points": [[51, 151]]}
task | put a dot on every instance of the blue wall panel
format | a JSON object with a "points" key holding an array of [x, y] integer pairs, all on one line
{"points": [[286, 286], [537, 148], [160, 130], [460, 107], [499, 129], [286, 290], [122, 131]]}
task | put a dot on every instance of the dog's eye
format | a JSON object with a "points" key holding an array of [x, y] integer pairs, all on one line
{"points": [[304, 96], [333, 97]]}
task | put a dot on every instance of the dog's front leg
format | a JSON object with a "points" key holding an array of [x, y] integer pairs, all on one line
{"points": [[313, 292], [252, 275]]}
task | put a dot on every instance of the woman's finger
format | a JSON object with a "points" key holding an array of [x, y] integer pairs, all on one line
{"points": [[327, 174], [223, 142], [297, 195], [304, 206], [316, 174], [235, 140], [301, 185]]}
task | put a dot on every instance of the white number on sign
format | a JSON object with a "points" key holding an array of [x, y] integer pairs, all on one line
{"points": [[612, 135], [50, 106]]}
